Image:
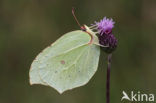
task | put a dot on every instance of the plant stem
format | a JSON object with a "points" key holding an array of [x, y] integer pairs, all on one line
{"points": [[109, 58]]}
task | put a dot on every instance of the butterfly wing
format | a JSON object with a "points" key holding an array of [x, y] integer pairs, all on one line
{"points": [[64, 44], [68, 63]]}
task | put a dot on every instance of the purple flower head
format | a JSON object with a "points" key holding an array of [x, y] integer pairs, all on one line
{"points": [[106, 38], [105, 26]]}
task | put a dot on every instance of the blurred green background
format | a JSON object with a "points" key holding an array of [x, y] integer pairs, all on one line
{"points": [[28, 26]]}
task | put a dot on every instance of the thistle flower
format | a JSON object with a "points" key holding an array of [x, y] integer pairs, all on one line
{"points": [[105, 26], [106, 38]]}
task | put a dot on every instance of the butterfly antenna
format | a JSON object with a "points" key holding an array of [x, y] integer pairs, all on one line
{"points": [[73, 12]]}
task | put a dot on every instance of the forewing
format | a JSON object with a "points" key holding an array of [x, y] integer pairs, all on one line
{"points": [[63, 45]]}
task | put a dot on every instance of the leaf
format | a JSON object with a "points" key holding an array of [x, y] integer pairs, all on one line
{"points": [[68, 63]]}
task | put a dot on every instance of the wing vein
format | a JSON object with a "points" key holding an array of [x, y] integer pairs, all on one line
{"points": [[74, 63], [69, 50]]}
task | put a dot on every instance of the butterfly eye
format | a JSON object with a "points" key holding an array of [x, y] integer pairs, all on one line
{"points": [[83, 28]]}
